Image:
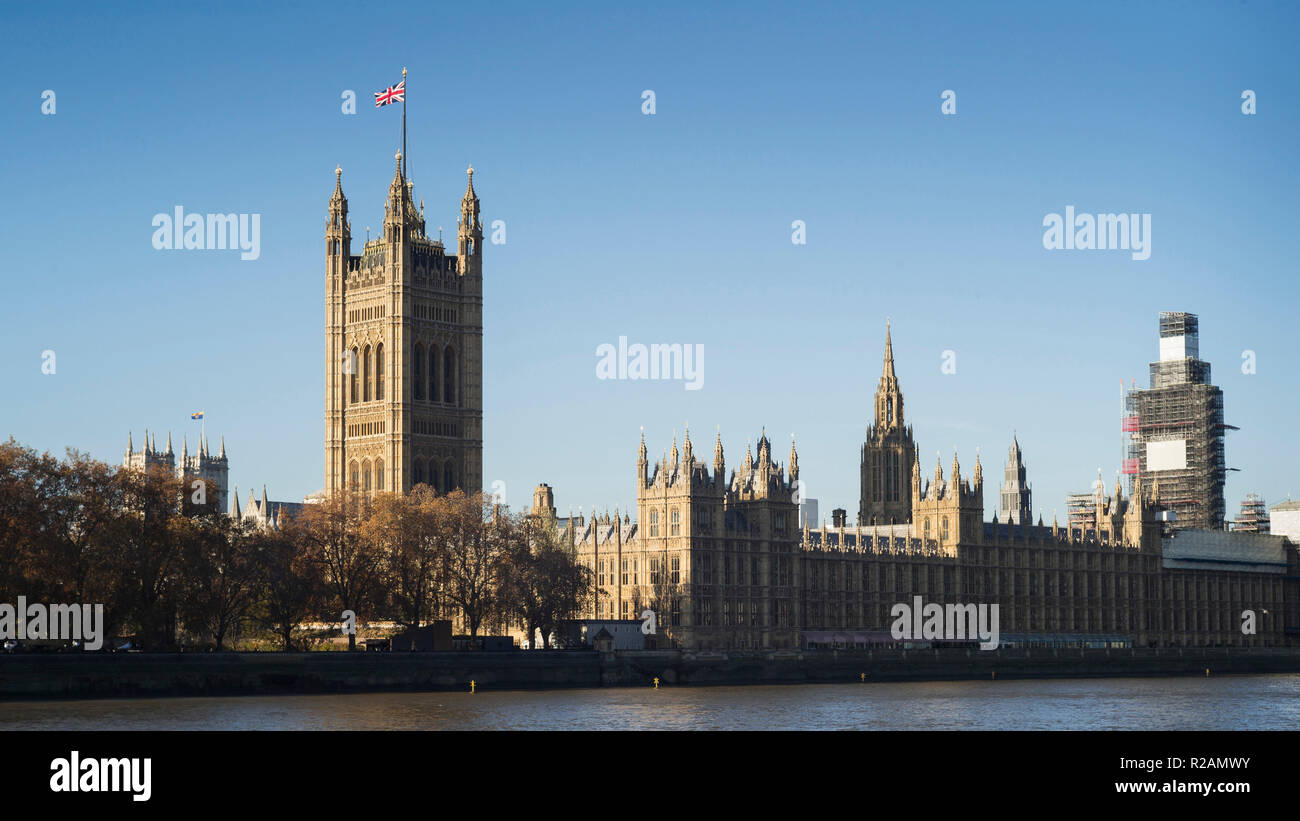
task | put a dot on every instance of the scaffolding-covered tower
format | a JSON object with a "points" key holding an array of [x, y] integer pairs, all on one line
{"points": [[1180, 428], [1254, 515]]}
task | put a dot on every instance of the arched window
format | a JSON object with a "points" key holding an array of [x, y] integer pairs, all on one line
{"points": [[356, 476], [419, 371], [433, 481], [433, 373], [889, 411], [379, 372], [417, 473], [943, 529], [654, 523], [927, 528], [352, 372], [675, 522], [448, 477], [379, 474], [365, 476], [449, 376], [366, 370]]}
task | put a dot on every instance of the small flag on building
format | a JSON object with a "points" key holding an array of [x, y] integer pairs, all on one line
{"points": [[392, 94], [197, 415]]}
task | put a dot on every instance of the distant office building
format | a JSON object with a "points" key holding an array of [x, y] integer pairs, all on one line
{"points": [[1254, 515], [808, 513], [1015, 499], [1180, 428], [1285, 520]]}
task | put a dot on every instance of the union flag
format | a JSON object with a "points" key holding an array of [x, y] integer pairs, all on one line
{"points": [[392, 94]]}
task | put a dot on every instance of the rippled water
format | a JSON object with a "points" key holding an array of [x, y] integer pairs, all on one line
{"points": [[1221, 703]]}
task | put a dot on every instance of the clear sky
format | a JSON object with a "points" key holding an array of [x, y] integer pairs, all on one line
{"points": [[671, 227]]}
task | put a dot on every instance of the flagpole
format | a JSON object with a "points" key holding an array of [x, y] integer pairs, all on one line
{"points": [[404, 175]]}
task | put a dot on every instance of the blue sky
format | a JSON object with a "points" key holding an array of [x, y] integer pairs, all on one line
{"points": [[668, 228]]}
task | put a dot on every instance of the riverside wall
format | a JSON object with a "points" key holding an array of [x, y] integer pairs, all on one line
{"points": [[115, 675]]}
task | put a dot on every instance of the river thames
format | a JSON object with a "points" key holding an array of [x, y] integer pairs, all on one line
{"points": [[1258, 702]]}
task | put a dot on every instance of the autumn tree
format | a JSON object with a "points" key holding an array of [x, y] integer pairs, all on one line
{"points": [[220, 574], [350, 565], [476, 536], [409, 534]]}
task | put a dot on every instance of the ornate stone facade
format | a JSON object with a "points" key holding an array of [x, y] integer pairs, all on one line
{"points": [[403, 349], [724, 565]]}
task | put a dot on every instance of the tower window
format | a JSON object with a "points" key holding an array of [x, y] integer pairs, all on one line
{"points": [[352, 373], [356, 478], [379, 373], [449, 375], [379, 474], [654, 523], [365, 476], [419, 371], [433, 373], [365, 375], [943, 529], [675, 523], [448, 476]]}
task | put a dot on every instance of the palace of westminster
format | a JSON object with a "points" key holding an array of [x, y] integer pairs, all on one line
{"points": [[722, 558]]}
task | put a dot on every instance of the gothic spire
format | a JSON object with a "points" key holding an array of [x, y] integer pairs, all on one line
{"points": [[338, 186], [889, 353]]}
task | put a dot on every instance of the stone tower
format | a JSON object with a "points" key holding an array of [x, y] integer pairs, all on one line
{"points": [[948, 511], [1014, 501], [403, 349], [888, 453]]}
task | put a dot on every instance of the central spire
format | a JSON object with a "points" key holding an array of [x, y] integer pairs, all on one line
{"points": [[889, 353]]}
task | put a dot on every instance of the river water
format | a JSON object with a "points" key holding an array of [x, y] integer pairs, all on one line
{"points": [[1262, 702]]}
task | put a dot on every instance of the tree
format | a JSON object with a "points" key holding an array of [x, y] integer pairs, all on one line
{"points": [[542, 579], [408, 534], [220, 573], [291, 588], [350, 564], [144, 566], [476, 535]]}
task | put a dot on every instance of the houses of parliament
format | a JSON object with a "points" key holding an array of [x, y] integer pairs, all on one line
{"points": [[722, 559], [721, 556]]}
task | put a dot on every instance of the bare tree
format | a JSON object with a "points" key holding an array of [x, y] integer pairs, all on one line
{"points": [[350, 564]]}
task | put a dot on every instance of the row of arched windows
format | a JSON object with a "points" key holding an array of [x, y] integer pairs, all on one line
{"points": [[366, 477], [436, 371], [443, 481], [366, 366]]}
